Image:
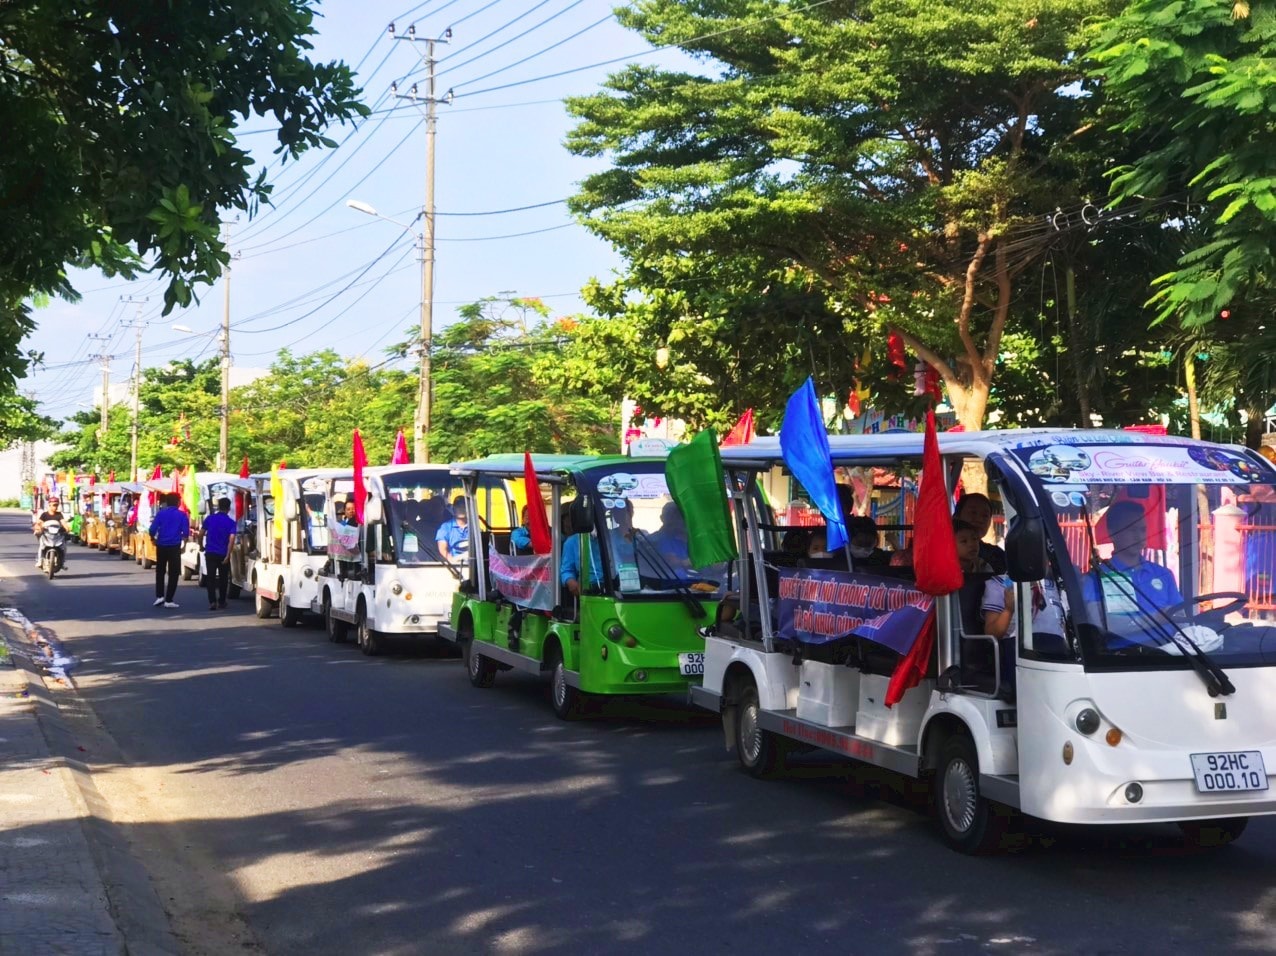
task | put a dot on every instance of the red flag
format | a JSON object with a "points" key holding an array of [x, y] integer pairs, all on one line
{"points": [[360, 489], [934, 548], [243, 468], [111, 479], [934, 559], [400, 456], [910, 671], [537, 523], [742, 433]]}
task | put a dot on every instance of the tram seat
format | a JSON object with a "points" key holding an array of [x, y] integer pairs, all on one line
{"points": [[978, 650], [499, 538]]}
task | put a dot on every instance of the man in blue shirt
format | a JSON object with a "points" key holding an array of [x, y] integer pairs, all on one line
{"points": [[569, 568], [453, 537], [216, 540], [169, 530], [1132, 591]]}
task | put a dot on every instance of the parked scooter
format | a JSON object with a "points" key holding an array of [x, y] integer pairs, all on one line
{"points": [[52, 548]]}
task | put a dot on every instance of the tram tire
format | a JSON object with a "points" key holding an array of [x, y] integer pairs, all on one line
{"points": [[264, 607], [336, 629], [368, 640], [480, 669], [234, 591], [563, 697], [290, 616], [971, 823], [760, 752], [1212, 834], [187, 574]]}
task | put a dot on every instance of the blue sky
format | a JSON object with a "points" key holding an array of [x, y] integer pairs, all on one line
{"points": [[497, 149]]}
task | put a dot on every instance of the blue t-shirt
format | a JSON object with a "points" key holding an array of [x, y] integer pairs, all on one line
{"points": [[521, 538], [1132, 597], [218, 527], [170, 527], [569, 567], [456, 536]]}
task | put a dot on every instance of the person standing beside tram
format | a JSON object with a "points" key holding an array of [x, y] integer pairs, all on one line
{"points": [[169, 530], [217, 537]]}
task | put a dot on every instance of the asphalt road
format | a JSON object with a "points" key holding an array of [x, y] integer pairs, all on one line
{"points": [[382, 805]]}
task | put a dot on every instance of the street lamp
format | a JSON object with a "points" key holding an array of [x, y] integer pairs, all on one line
{"points": [[421, 424]]}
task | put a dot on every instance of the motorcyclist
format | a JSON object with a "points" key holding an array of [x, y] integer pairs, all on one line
{"points": [[52, 512]]}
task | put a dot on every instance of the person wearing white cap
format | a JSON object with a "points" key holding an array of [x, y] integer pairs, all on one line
{"points": [[52, 512]]}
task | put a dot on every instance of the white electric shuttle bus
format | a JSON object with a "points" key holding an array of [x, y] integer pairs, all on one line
{"points": [[285, 575], [210, 485], [387, 577], [1136, 686]]}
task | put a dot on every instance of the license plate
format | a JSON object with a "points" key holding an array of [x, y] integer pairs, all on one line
{"points": [[692, 664], [1229, 771]]}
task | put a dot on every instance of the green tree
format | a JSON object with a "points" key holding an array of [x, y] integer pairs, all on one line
{"points": [[882, 165], [496, 387], [119, 144], [1200, 72]]}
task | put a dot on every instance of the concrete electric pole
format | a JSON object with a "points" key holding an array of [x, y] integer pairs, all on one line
{"points": [[106, 389], [421, 425], [223, 442], [137, 325]]}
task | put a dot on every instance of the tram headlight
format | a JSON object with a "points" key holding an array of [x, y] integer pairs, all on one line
{"points": [[396, 588], [309, 572], [615, 632], [1088, 721], [1133, 793]]}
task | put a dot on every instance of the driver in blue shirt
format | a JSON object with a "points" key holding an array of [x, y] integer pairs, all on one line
{"points": [[1133, 591]]}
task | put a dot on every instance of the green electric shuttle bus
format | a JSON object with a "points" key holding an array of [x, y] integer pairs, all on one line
{"points": [[612, 608]]}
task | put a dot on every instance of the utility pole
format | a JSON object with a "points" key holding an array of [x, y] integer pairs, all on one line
{"points": [[106, 389], [223, 443], [138, 325], [421, 426]]}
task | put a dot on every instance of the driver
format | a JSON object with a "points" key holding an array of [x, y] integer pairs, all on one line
{"points": [[52, 512], [1132, 590]]}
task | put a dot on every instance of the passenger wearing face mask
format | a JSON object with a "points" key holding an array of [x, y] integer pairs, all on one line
{"points": [[865, 553]]}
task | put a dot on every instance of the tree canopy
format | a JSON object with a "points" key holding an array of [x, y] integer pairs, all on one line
{"points": [[119, 143], [853, 168]]}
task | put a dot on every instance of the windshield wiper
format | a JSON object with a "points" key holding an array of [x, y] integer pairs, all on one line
{"points": [[658, 562], [431, 553], [1216, 680]]}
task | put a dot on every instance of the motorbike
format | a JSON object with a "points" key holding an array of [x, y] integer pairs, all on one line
{"points": [[52, 548]]}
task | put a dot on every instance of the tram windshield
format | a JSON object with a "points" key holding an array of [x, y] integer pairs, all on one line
{"points": [[418, 504], [1171, 548], [646, 537]]}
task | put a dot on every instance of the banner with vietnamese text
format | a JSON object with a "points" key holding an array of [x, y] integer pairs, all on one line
{"points": [[523, 579], [817, 607]]}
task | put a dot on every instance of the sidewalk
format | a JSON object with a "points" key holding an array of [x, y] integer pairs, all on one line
{"points": [[52, 898]]}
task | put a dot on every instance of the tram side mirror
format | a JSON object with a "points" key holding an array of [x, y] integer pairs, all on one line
{"points": [[290, 509], [581, 516], [1026, 549], [372, 511]]}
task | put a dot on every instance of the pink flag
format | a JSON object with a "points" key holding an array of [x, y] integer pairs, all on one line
{"points": [[360, 489], [400, 456]]}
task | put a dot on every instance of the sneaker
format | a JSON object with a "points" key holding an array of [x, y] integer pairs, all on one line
{"points": [[158, 602], [171, 604], [221, 606], [212, 607]]}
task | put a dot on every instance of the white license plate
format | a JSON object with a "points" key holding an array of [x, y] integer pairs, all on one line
{"points": [[692, 664], [1229, 771]]}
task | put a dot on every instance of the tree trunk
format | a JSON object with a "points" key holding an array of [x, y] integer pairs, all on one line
{"points": [[970, 402], [1083, 387], [1255, 422], [1193, 409]]}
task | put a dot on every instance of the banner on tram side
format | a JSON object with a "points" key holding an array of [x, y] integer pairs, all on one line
{"points": [[523, 579], [817, 607]]}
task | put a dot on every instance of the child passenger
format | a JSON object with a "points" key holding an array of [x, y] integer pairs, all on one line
{"points": [[997, 606], [967, 539]]}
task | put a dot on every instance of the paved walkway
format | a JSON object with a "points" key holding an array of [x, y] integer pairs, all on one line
{"points": [[52, 898]]}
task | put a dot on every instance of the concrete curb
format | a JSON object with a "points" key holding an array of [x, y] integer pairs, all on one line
{"points": [[133, 906]]}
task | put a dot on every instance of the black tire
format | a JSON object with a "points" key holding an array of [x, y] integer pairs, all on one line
{"points": [[124, 555], [760, 752], [368, 640], [51, 566], [187, 573], [264, 607], [148, 564], [290, 616], [1212, 834], [481, 669], [336, 629], [971, 823], [564, 698], [234, 591]]}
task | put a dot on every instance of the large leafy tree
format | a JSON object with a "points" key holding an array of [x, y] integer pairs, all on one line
{"points": [[498, 387], [888, 164], [119, 146]]}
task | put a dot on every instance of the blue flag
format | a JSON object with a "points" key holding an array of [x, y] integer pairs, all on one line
{"points": [[805, 446]]}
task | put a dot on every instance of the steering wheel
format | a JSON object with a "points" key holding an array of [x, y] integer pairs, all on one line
{"points": [[1235, 601]]}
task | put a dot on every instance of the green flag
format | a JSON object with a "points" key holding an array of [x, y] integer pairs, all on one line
{"points": [[696, 481]]}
